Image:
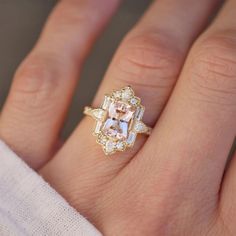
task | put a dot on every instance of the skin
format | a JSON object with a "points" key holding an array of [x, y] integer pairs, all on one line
{"points": [[176, 182]]}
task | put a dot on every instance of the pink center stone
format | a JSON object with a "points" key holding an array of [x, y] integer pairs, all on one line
{"points": [[121, 111], [117, 124]]}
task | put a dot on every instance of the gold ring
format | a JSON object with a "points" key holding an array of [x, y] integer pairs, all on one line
{"points": [[118, 121]]}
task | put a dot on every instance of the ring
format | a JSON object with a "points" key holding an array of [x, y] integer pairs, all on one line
{"points": [[118, 120]]}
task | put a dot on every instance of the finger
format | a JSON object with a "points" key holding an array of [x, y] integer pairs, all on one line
{"points": [[227, 204], [43, 85], [191, 142], [149, 59]]}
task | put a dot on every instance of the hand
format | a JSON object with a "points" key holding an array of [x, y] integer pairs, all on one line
{"points": [[176, 181]]}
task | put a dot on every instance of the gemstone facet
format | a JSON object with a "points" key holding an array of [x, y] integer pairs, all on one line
{"points": [[121, 111], [115, 129]]}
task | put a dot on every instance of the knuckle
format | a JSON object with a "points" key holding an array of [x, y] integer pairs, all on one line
{"points": [[35, 82], [213, 67], [143, 57]]}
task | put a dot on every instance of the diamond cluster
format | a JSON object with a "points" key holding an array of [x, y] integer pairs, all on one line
{"points": [[119, 121]]}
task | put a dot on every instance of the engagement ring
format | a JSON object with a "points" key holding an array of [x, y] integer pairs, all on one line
{"points": [[118, 121]]}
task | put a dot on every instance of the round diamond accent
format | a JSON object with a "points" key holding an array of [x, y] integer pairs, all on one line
{"points": [[120, 146], [103, 140], [117, 94], [134, 101]]}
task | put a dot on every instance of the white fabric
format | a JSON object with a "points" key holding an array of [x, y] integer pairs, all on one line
{"points": [[29, 206]]}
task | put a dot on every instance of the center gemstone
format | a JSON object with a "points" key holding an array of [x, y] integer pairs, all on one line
{"points": [[121, 111], [117, 123]]}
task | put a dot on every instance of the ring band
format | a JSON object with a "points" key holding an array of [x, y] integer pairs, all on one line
{"points": [[118, 121]]}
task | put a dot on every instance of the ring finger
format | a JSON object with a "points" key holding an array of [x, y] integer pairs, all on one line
{"points": [[149, 59]]}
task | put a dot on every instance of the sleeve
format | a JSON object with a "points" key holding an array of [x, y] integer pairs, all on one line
{"points": [[29, 206]]}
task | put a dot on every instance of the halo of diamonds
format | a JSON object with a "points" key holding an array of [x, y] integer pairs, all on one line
{"points": [[119, 120]]}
